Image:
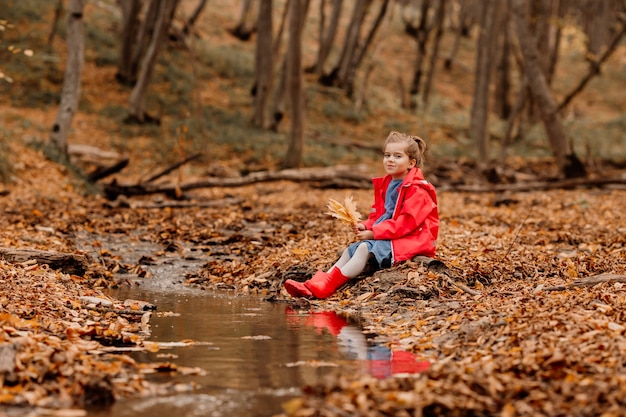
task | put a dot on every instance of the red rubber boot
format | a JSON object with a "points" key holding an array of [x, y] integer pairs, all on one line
{"points": [[297, 289], [323, 284]]}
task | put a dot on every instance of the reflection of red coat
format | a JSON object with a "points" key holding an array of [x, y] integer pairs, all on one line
{"points": [[398, 362], [414, 227]]}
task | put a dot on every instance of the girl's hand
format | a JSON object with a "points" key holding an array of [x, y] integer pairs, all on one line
{"points": [[365, 235], [358, 227]]}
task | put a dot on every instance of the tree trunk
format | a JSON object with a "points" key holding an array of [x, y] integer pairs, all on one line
{"points": [[278, 107], [326, 42], [480, 106], [264, 64], [360, 54], [554, 38], [137, 96], [189, 23], [569, 164], [502, 104], [58, 10], [126, 69], [379, 44], [144, 37], [510, 123], [598, 32], [244, 28], [458, 34], [293, 158], [281, 29], [441, 12], [339, 74], [420, 33], [71, 81]]}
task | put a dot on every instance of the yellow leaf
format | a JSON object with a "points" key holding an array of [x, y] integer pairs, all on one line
{"points": [[570, 270], [346, 212], [508, 410], [292, 406]]}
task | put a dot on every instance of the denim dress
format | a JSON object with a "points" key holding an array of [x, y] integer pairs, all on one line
{"points": [[381, 249]]}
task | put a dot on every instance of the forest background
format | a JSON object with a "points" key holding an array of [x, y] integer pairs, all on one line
{"points": [[193, 100], [421, 67]]}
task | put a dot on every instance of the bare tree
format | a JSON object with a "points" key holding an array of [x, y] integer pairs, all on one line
{"points": [[70, 93], [58, 10], [502, 90], [480, 105], [420, 33], [281, 30], [569, 164], [191, 21], [293, 158], [338, 75], [328, 37], [244, 28], [127, 66], [554, 37], [362, 48], [439, 21], [462, 28], [164, 17], [278, 107], [264, 64], [595, 66], [378, 45], [597, 25]]}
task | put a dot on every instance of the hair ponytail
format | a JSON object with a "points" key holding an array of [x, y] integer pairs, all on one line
{"points": [[415, 146]]}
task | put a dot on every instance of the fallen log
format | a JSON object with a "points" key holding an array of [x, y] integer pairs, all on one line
{"points": [[535, 185], [98, 162], [69, 263], [105, 171], [356, 177]]}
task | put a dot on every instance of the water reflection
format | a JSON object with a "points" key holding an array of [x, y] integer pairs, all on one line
{"points": [[377, 360], [255, 355], [253, 359]]}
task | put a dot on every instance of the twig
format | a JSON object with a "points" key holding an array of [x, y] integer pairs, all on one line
{"points": [[461, 286], [116, 311], [516, 235], [172, 168], [589, 282]]}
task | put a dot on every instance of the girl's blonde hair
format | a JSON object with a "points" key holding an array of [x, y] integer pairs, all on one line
{"points": [[415, 146]]}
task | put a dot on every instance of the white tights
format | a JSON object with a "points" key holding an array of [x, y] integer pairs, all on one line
{"points": [[353, 266]]}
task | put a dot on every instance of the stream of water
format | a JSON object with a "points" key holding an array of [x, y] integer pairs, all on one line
{"points": [[253, 355]]}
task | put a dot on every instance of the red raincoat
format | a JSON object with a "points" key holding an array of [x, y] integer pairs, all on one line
{"points": [[414, 226]]}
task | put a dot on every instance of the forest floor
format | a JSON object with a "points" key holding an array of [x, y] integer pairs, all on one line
{"points": [[522, 315]]}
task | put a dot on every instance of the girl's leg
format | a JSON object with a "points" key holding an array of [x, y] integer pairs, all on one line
{"points": [[355, 265], [345, 257], [324, 284]]}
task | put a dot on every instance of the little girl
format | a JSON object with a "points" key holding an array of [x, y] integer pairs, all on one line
{"points": [[403, 223]]}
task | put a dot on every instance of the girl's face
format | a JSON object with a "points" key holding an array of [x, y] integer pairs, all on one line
{"points": [[396, 161]]}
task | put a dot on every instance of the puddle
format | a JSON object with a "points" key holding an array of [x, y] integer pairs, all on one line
{"points": [[254, 355], [252, 358]]}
